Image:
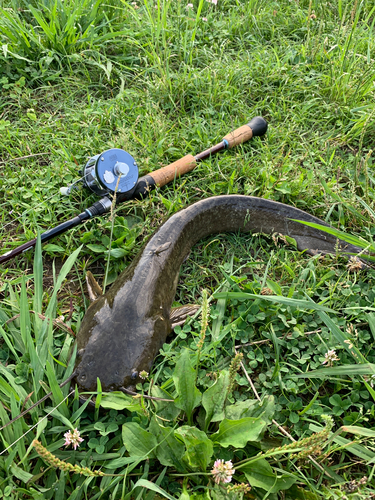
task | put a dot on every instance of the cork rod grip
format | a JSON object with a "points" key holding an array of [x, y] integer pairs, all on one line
{"points": [[174, 170], [238, 136], [256, 127]]}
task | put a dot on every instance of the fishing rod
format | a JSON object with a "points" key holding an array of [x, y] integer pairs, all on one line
{"points": [[115, 171]]}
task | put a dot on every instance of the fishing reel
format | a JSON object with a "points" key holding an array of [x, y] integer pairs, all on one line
{"points": [[115, 170]]}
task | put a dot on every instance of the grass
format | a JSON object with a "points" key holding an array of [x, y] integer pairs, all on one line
{"points": [[162, 80]]}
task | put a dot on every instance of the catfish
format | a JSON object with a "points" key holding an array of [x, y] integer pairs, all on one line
{"points": [[124, 329]]}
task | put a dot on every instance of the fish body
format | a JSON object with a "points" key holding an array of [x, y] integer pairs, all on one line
{"points": [[123, 330]]}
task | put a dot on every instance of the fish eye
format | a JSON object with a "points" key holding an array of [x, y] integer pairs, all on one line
{"points": [[134, 375]]}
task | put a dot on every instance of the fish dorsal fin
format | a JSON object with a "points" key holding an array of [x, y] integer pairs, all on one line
{"points": [[93, 287]]}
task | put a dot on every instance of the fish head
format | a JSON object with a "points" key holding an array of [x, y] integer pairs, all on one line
{"points": [[115, 346]]}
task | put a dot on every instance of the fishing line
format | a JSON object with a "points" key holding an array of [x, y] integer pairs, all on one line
{"points": [[41, 420], [23, 158]]}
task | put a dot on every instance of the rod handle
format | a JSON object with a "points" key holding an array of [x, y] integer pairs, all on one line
{"points": [[256, 127], [166, 174]]}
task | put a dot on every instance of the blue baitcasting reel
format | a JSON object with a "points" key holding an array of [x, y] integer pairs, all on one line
{"points": [[115, 170], [102, 173]]}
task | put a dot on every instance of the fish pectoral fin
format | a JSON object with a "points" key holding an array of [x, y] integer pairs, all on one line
{"points": [[179, 314], [93, 287], [162, 248]]}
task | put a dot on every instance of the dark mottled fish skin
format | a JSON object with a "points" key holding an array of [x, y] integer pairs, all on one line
{"points": [[123, 330]]}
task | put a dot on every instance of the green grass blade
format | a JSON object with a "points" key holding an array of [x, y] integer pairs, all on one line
{"points": [[371, 322], [38, 286], [98, 399], [144, 483], [275, 341], [17, 428], [19, 390], [218, 321], [303, 304], [25, 325], [348, 238], [348, 445], [63, 273], [49, 29], [56, 391], [6, 435], [221, 306], [359, 431], [349, 370], [7, 389], [365, 205], [9, 343]]}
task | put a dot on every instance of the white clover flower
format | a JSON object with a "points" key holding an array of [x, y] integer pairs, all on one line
{"points": [[190, 6], [143, 374], [204, 19], [212, 1], [73, 438], [223, 471], [354, 264], [330, 357]]}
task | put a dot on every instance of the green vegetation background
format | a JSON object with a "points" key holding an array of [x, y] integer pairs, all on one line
{"points": [[162, 80]]}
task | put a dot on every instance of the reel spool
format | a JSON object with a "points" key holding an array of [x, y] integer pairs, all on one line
{"points": [[101, 174]]}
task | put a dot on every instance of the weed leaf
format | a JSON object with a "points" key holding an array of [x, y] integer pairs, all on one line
{"points": [[261, 475], [119, 401], [138, 441], [252, 408], [164, 409], [170, 450], [184, 375], [199, 447], [238, 433], [214, 397]]}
